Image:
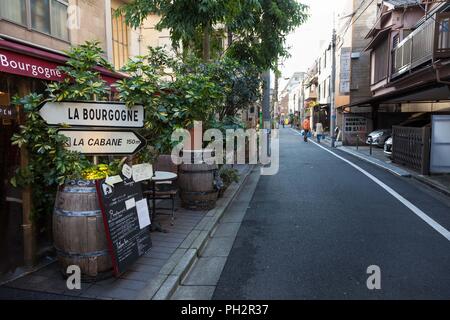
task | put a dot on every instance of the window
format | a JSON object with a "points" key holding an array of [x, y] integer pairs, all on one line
{"points": [[380, 56], [444, 33], [47, 16], [395, 41], [59, 20], [120, 41], [14, 10], [40, 15]]}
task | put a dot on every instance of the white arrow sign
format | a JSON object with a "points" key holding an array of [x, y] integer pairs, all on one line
{"points": [[93, 114], [98, 142]]}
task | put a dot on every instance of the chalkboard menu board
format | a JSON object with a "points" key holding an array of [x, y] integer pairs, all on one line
{"points": [[127, 221]]}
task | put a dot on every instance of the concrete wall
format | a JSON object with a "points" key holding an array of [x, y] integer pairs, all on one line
{"points": [[152, 37], [344, 40], [360, 64], [92, 22]]}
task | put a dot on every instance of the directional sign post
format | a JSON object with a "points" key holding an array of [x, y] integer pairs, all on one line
{"points": [[93, 114], [102, 142]]}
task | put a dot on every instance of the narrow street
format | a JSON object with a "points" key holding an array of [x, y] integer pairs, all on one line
{"points": [[312, 231], [154, 151]]}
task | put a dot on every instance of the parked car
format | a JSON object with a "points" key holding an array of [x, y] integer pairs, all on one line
{"points": [[388, 147], [379, 137]]}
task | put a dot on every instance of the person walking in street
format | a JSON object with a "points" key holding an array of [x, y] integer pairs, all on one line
{"points": [[319, 131], [306, 129]]}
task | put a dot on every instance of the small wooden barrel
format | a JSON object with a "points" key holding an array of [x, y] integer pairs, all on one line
{"points": [[79, 233], [196, 182]]}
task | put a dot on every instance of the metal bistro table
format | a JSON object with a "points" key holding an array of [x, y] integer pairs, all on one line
{"points": [[159, 176]]}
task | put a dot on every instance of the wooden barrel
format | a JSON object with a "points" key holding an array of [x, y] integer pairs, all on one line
{"points": [[196, 182], [79, 233]]}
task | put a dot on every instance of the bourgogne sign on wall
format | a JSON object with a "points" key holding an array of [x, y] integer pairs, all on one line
{"points": [[93, 114]]}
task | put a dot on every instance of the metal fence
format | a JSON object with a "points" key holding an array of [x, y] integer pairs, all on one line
{"points": [[411, 148]]}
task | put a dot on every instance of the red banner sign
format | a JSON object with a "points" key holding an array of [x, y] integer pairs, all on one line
{"points": [[28, 66]]}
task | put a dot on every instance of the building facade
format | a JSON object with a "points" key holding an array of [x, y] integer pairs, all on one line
{"points": [[410, 73], [33, 37], [354, 115], [291, 96]]}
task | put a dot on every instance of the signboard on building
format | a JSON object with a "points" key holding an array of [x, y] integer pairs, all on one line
{"points": [[28, 66], [8, 112], [103, 142], [93, 114], [355, 127], [32, 62], [345, 69], [355, 124], [7, 115], [126, 219]]}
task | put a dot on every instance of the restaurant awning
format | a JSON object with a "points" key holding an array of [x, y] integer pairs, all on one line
{"points": [[28, 61]]}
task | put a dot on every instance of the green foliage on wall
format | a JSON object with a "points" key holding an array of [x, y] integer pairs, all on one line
{"points": [[49, 163]]}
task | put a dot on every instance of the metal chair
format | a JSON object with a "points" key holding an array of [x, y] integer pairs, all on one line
{"points": [[165, 190]]}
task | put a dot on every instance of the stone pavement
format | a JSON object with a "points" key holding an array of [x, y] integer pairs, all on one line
{"points": [[146, 277], [201, 280]]}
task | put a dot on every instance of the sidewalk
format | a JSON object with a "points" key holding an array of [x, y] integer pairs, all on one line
{"points": [[154, 276]]}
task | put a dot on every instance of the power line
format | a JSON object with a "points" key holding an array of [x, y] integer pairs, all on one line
{"points": [[353, 21], [431, 17]]}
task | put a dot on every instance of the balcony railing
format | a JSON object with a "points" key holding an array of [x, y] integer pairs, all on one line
{"points": [[415, 49], [428, 42]]}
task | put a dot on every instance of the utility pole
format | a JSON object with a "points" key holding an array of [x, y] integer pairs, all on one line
{"points": [[275, 95], [333, 90], [302, 102]]}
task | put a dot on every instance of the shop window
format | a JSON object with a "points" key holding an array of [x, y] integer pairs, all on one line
{"points": [[120, 41], [11, 245]]}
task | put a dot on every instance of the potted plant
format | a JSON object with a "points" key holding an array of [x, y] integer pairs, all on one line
{"points": [[228, 175]]}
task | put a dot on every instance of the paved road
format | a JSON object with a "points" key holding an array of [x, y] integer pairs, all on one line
{"points": [[312, 231]]}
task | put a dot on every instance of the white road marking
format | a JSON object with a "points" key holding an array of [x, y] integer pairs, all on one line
{"points": [[422, 215]]}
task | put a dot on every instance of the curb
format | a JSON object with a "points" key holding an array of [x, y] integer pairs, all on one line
{"points": [[391, 169], [164, 285], [394, 170], [431, 184], [400, 172]]}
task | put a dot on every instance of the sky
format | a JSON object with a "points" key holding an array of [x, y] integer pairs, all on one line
{"points": [[304, 44]]}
